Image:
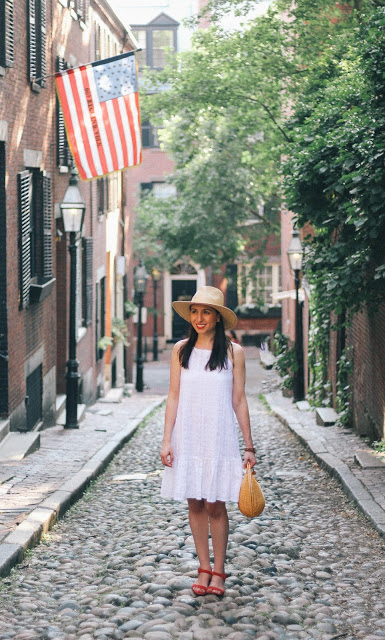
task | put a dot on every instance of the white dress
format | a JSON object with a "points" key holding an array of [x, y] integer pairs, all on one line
{"points": [[207, 462]]}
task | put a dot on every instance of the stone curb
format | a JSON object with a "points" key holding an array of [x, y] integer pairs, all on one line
{"points": [[351, 485], [31, 530]]}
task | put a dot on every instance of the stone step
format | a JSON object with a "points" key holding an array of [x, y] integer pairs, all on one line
{"points": [[303, 405], [113, 396], [326, 416], [369, 460], [60, 405], [267, 359], [17, 446], [81, 414], [4, 429]]}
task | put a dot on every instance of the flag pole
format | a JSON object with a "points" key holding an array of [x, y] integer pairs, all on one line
{"points": [[52, 75]]}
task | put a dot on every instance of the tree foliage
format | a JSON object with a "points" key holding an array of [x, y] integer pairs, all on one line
{"points": [[335, 175]]}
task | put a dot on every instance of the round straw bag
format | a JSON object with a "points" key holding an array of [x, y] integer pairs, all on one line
{"points": [[251, 499]]}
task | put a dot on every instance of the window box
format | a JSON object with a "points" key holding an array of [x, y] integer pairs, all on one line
{"points": [[41, 288], [252, 311]]}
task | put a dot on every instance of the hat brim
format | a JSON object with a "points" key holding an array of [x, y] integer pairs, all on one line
{"points": [[182, 307]]}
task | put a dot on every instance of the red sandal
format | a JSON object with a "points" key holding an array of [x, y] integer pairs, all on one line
{"points": [[200, 589], [216, 591]]}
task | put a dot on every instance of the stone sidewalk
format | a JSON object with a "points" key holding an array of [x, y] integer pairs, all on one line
{"points": [[338, 450]]}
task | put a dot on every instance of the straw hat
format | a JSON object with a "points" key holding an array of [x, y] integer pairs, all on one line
{"points": [[212, 297]]}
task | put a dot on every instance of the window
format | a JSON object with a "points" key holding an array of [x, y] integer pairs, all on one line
{"points": [[88, 249], [258, 288], [108, 193], [156, 39], [159, 189], [149, 135], [141, 36], [35, 231], [162, 44], [37, 38], [64, 157], [100, 315], [6, 34]]}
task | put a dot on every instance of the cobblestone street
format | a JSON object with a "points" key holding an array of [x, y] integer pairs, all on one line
{"points": [[121, 563]]}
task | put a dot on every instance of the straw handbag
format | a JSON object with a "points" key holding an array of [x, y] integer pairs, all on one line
{"points": [[251, 499]]}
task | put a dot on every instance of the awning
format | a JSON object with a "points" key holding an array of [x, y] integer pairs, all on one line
{"points": [[290, 294]]}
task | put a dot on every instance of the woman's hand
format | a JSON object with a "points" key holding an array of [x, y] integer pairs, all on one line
{"points": [[249, 457], [166, 454]]}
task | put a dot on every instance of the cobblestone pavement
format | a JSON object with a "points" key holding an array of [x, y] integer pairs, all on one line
{"points": [[121, 563]]}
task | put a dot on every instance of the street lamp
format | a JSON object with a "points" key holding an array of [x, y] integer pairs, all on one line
{"points": [[155, 279], [140, 281], [72, 209], [295, 255]]}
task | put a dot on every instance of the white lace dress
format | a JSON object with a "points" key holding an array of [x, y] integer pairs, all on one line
{"points": [[207, 462]]}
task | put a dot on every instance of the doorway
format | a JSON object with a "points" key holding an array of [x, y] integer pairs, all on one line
{"points": [[181, 290]]}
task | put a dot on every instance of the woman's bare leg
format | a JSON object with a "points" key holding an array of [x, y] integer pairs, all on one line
{"points": [[219, 528], [199, 523]]}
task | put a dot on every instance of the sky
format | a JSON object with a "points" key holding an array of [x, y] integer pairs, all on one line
{"points": [[142, 11]]}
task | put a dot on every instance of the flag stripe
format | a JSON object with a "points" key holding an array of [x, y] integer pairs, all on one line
{"points": [[85, 122], [115, 132], [138, 128], [89, 119], [102, 124], [69, 125], [76, 115], [132, 126], [110, 136], [68, 85], [119, 121], [127, 132]]}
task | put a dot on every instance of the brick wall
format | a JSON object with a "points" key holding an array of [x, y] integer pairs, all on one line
{"points": [[366, 337]]}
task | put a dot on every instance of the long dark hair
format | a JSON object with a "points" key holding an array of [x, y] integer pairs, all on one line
{"points": [[218, 357]]}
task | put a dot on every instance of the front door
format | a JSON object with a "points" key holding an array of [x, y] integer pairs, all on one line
{"points": [[181, 290]]}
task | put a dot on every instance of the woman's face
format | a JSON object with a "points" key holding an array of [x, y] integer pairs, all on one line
{"points": [[203, 319]]}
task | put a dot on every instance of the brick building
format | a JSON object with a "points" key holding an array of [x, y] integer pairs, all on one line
{"points": [[34, 164]]}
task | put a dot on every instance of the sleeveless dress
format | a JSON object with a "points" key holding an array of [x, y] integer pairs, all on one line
{"points": [[207, 462]]}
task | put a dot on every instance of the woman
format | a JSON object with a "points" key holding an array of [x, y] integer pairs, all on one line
{"points": [[200, 444]]}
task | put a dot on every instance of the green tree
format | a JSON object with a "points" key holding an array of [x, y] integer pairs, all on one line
{"points": [[335, 175]]}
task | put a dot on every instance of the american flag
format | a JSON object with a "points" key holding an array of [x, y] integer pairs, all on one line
{"points": [[101, 114]]}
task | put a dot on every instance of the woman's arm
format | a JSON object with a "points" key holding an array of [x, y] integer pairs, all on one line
{"points": [[240, 406], [166, 452]]}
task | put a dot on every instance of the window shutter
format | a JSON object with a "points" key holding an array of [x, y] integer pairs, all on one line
{"points": [[32, 55], [24, 187], [80, 8], [88, 249], [47, 228], [42, 41], [9, 34], [62, 149]]}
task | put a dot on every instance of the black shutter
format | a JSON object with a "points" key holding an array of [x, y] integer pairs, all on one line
{"points": [[47, 228], [62, 148], [25, 187], [88, 248], [42, 40], [80, 8], [9, 34], [32, 54]]}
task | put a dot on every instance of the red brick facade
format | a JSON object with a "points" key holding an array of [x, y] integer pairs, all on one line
{"points": [[37, 334]]}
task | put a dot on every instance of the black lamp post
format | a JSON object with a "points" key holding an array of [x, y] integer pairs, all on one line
{"points": [[72, 209], [295, 255], [140, 281], [155, 279]]}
